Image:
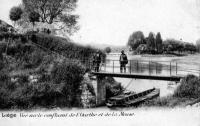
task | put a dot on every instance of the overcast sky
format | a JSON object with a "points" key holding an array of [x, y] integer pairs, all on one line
{"points": [[112, 21]]}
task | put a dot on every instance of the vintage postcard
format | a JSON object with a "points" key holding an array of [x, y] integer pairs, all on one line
{"points": [[100, 62]]}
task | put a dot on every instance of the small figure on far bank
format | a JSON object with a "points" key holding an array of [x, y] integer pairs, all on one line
{"points": [[123, 60], [97, 61]]}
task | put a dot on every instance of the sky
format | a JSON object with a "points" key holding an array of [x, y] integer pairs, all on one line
{"points": [[113, 21]]}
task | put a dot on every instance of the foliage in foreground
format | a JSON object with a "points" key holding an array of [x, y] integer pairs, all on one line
{"points": [[59, 78], [61, 90], [113, 88], [187, 91], [189, 87], [168, 101]]}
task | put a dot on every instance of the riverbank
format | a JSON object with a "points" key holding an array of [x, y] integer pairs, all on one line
{"points": [[186, 94], [163, 55]]}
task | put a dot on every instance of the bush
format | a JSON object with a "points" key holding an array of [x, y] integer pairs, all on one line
{"points": [[25, 96], [71, 74], [107, 49], [189, 87], [7, 35], [2, 47], [113, 88], [3, 29], [61, 90], [34, 59]]}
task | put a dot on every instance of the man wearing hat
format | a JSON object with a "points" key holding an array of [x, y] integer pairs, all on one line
{"points": [[97, 61], [123, 61]]}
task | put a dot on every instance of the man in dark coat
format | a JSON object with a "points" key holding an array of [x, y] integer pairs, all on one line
{"points": [[123, 61], [97, 61]]}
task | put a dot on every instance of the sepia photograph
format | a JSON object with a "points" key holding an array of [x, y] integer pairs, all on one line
{"points": [[100, 62]]}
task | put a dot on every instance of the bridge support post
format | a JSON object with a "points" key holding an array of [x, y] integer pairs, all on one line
{"points": [[101, 91]]}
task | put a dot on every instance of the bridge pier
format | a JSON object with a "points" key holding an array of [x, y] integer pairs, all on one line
{"points": [[101, 91]]}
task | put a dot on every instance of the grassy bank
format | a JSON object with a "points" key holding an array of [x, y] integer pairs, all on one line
{"points": [[186, 93], [32, 77]]}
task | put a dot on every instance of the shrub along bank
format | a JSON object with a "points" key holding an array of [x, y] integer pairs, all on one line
{"points": [[113, 87], [187, 92]]}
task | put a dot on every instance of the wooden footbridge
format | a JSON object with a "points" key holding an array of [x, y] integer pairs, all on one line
{"points": [[139, 76], [138, 69], [152, 70]]}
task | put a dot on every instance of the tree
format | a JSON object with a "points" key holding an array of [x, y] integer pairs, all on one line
{"points": [[135, 39], [107, 49], [180, 47], [151, 42], [190, 47], [34, 17], [169, 48], [71, 75], [158, 43], [173, 44], [54, 11], [15, 13], [198, 45]]}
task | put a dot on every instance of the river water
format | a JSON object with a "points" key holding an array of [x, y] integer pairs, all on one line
{"points": [[153, 65]]}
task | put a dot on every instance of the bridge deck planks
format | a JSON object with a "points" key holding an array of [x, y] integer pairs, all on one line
{"points": [[139, 76]]}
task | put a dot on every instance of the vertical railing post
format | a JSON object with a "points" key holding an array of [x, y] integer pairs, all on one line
{"points": [[130, 66], [176, 68], [89, 64], [113, 66], [137, 66], [170, 68], [199, 71], [149, 68], [156, 67], [105, 66]]}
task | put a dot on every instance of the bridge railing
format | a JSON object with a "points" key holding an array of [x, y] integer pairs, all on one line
{"points": [[150, 67]]}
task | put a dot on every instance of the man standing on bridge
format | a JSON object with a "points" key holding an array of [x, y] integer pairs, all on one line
{"points": [[123, 60], [97, 61]]}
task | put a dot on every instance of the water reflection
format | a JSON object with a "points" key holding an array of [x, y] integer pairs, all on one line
{"points": [[165, 66], [138, 85], [147, 68], [143, 67]]}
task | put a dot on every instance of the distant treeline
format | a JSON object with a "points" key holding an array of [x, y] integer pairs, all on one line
{"points": [[154, 44]]}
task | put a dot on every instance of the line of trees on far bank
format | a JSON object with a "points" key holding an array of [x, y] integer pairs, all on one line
{"points": [[154, 44], [198, 45]]}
